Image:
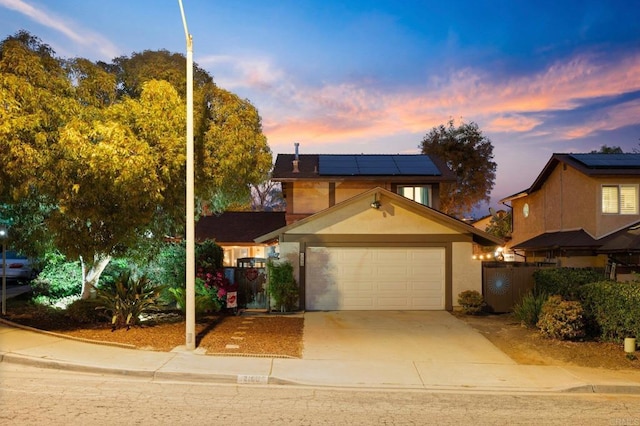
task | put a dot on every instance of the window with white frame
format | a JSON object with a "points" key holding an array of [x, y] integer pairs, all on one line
{"points": [[420, 194], [620, 199]]}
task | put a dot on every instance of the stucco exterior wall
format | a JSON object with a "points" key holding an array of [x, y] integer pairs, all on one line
{"points": [[466, 273], [346, 190], [360, 218], [310, 197], [568, 200]]}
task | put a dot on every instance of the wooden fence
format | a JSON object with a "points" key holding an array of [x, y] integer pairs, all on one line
{"points": [[505, 283]]}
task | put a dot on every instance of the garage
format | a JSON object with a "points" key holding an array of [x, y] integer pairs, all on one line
{"points": [[375, 278]]}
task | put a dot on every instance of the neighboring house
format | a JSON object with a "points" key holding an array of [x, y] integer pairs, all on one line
{"points": [[357, 244], [235, 232], [581, 211]]}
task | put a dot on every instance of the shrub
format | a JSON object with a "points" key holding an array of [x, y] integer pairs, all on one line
{"points": [[128, 299], [282, 286], [209, 256], [206, 298], [471, 301], [529, 308], [612, 307], [561, 319], [169, 267], [58, 279], [86, 311], [564, 281]]}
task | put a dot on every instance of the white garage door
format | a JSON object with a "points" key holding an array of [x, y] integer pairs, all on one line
{"points": [[375, 278]]}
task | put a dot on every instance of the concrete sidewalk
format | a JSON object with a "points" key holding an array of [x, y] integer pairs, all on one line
{"points": [[39, 349]]}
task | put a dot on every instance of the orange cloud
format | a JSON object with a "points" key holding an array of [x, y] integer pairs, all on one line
{"points": [[342, 112]]}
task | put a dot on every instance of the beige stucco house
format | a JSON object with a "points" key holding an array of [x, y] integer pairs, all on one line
{"points": [[355, 245], [581, 211]]}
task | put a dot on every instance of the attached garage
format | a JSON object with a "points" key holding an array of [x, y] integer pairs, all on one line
{"points": [[375, 278], [381, 251]]}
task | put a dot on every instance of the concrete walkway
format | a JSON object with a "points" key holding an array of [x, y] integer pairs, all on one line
{"points": [[365, 366]]}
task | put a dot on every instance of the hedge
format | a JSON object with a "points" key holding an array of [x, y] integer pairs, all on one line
{"points": [[565, 282], [614, 307]]}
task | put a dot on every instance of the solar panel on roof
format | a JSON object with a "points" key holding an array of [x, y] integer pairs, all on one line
{"points": [[416, 165], [608, 160], [341, 165], [376, 165]]}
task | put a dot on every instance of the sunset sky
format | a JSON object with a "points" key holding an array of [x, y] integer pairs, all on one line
{"points": [[538, 77]]}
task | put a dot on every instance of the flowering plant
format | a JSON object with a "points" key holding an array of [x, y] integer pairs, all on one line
{"points": [[215, 284]]}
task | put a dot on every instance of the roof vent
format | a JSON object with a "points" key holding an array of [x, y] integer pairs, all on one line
{"points": [[296, 160]]}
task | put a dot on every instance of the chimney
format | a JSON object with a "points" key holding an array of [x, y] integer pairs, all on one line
{"points": [[296, 160]]}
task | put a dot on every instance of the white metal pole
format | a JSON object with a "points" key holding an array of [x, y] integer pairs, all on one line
{"points": [[4, 274], [190, 214]]}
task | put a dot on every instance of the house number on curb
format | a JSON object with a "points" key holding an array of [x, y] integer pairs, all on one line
{"points": [[250, 379]]}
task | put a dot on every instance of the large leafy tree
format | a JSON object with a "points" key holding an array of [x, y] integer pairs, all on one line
{"points": [[98, 149], [469, 154]]}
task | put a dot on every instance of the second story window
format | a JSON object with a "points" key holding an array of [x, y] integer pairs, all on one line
{"points": [[420, 194], [620, 199]]}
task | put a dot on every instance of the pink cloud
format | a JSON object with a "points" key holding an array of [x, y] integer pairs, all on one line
{"points": [[341, 112]]}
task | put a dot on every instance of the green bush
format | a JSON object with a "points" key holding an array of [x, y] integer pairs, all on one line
{"points": [[561, 319], [471, 301], [86, 311], [169, 266], [282, 285], [58, 278], [206, 299], [613, 308], [128, 299], [209, 256], [529, 308], [564, 281]]}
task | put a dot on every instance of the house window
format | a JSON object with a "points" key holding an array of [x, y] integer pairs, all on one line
{"points": [[620, 199], [420, 194]]}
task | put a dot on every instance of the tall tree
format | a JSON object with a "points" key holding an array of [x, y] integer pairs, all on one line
{"points": [[103, 156], [469, 155]]}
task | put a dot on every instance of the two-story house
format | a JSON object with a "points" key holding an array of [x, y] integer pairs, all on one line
{"points": [[581, 211], [364, 233]]}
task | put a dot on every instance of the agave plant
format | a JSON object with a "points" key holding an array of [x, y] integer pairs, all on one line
{"points": [[128, 298]]}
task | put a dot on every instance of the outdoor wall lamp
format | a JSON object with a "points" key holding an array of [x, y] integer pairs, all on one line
{"points": [[375, 204]]}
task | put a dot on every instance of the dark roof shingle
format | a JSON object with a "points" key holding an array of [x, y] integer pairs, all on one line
{"points": [[238, 227]]}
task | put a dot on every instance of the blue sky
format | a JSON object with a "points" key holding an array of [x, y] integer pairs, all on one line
{"points": [[375, 76]]}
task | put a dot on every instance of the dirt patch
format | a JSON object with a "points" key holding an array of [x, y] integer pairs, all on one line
{"points": [[528, 346], [257, 335]]}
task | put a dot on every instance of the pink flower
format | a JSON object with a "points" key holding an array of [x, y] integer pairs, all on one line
{"points": [[221, 293]]}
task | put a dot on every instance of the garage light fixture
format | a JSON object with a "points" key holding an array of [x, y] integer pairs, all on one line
{"points": [[375, 204]]}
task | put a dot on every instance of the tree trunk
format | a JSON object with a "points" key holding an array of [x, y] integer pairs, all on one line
{"points": [[91, 272]]}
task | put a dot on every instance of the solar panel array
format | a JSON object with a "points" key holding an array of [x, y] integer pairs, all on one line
{"points": [[376, 165], [608, 160]]}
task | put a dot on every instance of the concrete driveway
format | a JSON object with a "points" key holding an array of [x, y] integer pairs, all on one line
{"points": [[419, 336]]}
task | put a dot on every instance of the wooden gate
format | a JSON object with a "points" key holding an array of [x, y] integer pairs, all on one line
{"points": [[505, 283]]}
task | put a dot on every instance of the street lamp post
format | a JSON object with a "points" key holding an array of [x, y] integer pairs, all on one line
{"points": [[190, 207], [3, 237]]}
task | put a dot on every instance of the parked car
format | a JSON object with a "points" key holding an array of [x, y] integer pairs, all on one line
{"points": [[18, 267]]}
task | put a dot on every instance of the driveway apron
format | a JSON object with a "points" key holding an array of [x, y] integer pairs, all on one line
{"points": [[419, 336]]}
